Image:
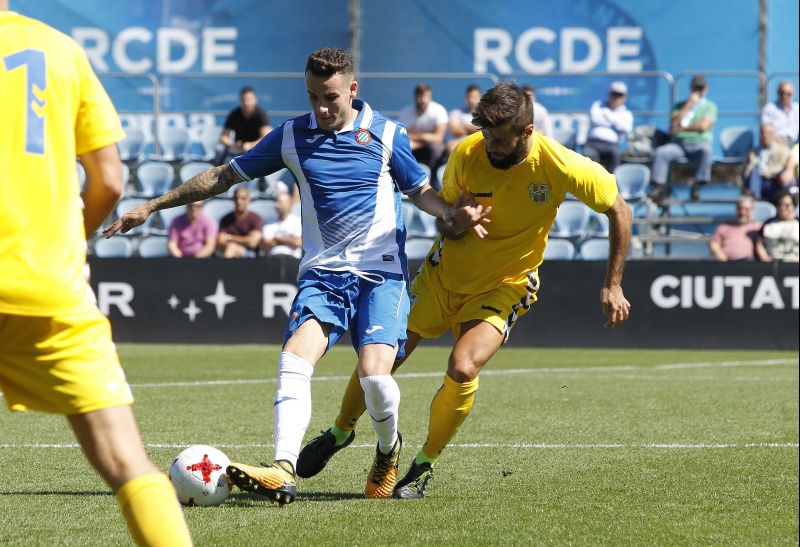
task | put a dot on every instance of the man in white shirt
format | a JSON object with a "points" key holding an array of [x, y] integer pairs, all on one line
{"points": [[610, 122], [541, 117], [783, 114], [426, 122], [461, 118], [282, 237]]}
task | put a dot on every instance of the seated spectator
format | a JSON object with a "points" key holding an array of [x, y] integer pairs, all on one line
{"points": [[460, 124], [240, 231], [282, 237], [426, 122], [783, 114], [692, 134], [248, 124], [610, 122], [736, 240], [192, 234], [779, 238], [770, 165], [541, 118]]}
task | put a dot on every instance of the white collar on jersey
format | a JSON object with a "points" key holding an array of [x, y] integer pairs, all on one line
{"points": [[363, 119]]}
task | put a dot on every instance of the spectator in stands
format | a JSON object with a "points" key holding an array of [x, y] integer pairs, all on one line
{"points": [[692, 133], [426, 122], [779, 238], [56, 349], [541, 118], [247, 124], [240, 231], [460, 124], [610, 122], [192, 234], [736, 240], [283, 237], [783, 114], [770, 165]]}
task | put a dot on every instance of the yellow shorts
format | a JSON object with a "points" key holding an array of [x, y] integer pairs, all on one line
{"points": [[65, 364], [435, 309]]}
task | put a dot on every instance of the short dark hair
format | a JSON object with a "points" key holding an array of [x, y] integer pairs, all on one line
{"points": [[421, 88], [505, 103], [328, 61], [473, 87], [782, 193], [246, 89]]}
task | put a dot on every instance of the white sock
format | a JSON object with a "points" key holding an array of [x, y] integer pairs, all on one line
{"points": [[382, 395], [292, 407]]}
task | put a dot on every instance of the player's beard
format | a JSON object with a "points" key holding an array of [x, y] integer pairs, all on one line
{"points": [[512, 159]]}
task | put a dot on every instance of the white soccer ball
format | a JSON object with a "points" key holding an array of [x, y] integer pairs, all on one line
{"points": [[199, 476]]}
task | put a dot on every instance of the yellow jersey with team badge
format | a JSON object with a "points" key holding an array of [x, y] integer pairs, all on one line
{"points": [[53, 109], [524, 201]]}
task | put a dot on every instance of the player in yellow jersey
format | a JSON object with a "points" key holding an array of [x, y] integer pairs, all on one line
{"points": [[480, 286], [56, 352]]}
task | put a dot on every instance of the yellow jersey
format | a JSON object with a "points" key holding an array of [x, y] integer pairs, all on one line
{"points": [[53, 109], [524, 201]]}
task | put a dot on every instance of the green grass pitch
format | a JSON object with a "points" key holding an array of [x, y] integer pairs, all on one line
{"points": [[563, 447]]}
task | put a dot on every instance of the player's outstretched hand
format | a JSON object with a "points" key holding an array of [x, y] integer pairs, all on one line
{"points": [[129, 220], [615, 306], [468, 213]]}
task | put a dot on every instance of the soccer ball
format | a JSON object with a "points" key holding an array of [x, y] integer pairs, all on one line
{"points": [[198, 475]]}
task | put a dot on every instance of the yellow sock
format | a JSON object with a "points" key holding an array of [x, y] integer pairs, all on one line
{"points": [[449, 409], [152, 511], [353, 405]]}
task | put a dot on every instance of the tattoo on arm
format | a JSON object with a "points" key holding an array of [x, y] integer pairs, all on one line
{"points": [[207, 184]]}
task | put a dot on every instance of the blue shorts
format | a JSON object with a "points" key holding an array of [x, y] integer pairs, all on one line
{"points": [[374, 310]]}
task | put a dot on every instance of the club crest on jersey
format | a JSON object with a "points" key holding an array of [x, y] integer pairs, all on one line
{"points": [[540, 193], [363, 137]]}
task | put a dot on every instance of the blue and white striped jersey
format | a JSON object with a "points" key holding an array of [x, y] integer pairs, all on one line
{"points": [[350, 182]]}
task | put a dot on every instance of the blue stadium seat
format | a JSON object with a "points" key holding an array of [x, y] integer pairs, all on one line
{"points": [[174, 143], [132, 146], [153, 246], [763, 211], [115, 247], [632, 180], [154, 178], [598, 225], [192, 168], [594, 249], [572, 220], [735, 142], [559, 249]]}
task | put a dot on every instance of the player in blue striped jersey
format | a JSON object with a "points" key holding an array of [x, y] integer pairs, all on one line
{"points": [[351, 164]]}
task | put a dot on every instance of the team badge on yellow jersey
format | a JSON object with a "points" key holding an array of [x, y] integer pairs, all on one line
{"points": [[540, 193]]}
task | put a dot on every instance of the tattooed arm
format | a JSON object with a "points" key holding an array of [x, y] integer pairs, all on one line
{"points": [[213, 182]]}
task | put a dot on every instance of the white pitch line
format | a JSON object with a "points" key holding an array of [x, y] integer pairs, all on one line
{"points": [[560, 370], [527, 446]]}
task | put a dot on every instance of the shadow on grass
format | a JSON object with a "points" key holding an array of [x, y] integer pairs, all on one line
{"points": [[245, 499], [55, 493]]}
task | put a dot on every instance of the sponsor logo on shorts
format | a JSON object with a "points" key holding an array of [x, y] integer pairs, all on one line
{"points": [[481, 194], [490, 308], [540, 193], [388, 258], [373, 329]]}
